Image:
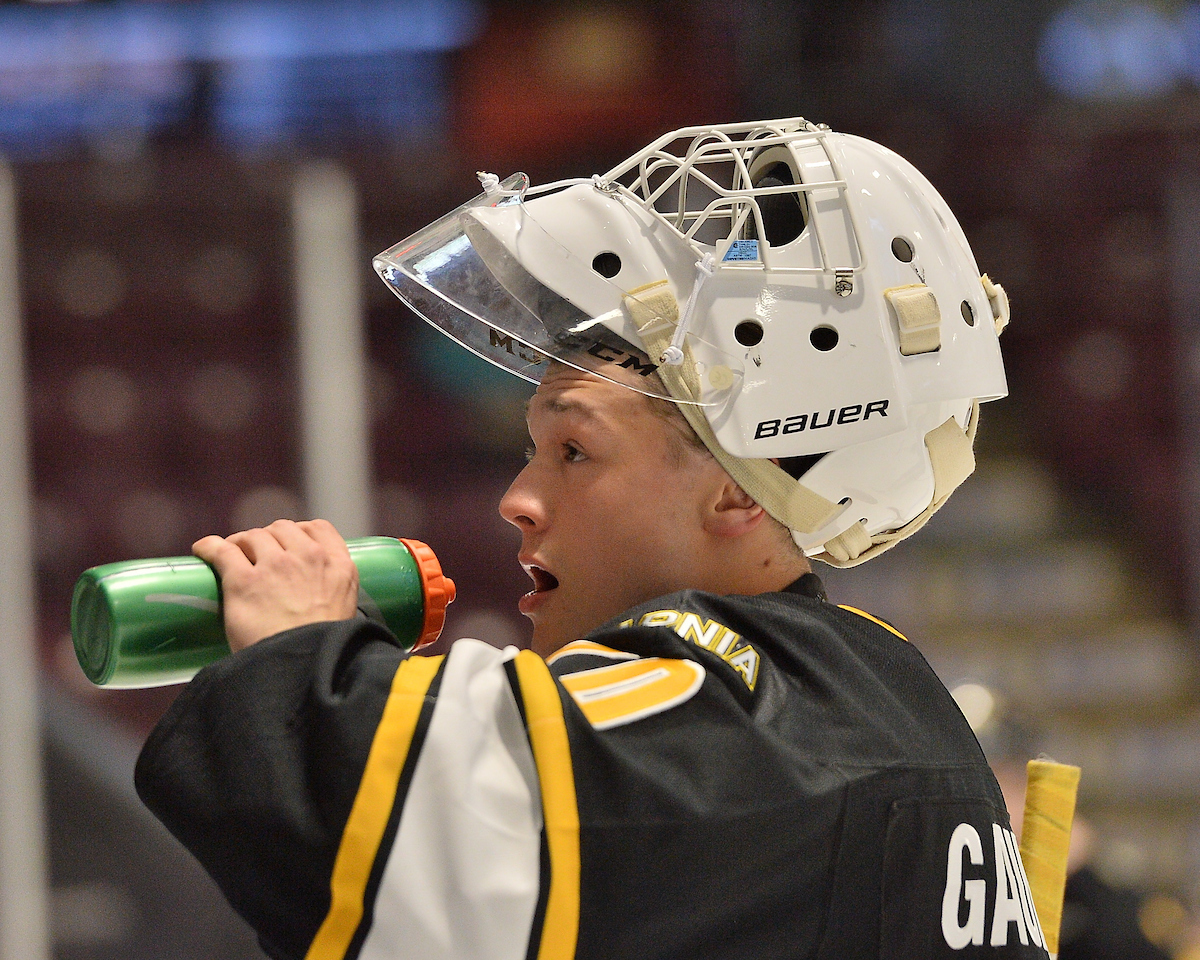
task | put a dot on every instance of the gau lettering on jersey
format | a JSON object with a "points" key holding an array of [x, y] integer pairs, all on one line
{"points": [[973, 883], [953, 886]]}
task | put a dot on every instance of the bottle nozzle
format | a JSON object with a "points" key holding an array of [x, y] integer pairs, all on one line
{"points": [[438, 589]]}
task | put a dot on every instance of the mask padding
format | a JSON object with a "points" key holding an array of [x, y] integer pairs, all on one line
{"points": [[782, 213], [797, 467]]}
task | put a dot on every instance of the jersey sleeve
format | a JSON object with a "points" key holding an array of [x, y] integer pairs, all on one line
{"points": [[351, 801]]}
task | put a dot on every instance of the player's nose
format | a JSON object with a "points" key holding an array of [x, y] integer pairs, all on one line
{"points": [[522, 505]]}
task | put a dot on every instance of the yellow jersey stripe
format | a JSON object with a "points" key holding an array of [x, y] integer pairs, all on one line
{"points": [[886, 626], [372, 807], [552, 754]]}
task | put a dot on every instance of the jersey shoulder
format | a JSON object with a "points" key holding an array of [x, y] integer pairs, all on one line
{"points": [[839, 679]]}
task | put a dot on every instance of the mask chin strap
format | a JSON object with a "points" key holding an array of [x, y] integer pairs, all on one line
{"points": [[952, 456], [654, 309]]}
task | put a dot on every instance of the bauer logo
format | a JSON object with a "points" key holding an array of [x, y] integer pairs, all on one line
{"points": [[798, 423]]}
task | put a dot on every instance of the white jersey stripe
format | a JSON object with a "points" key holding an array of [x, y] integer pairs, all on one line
{"points": [[461, 882]]}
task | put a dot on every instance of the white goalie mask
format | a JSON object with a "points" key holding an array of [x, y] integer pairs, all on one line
{"points": [[806, 298]]}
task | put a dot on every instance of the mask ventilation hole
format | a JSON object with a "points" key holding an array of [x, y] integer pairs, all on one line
{"points": [[783, 214], [823, 338], [968, 313], [607, 264], [902, 250], [748, 333]]}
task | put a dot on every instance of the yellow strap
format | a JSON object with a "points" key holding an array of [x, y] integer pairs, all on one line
{"points": [[850, 544], [920, 320], [951, 455], [552, 754], [655, 312], [998, 300], [372, 807], [1046, 838]]}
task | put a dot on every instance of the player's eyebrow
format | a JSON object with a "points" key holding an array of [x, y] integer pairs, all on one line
{"points": [[554, 404]]}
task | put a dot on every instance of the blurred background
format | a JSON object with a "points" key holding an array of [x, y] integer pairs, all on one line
{"points": [[191, 188]]}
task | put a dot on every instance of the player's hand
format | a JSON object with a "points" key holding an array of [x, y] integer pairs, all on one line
{"points": [[281, 576]]}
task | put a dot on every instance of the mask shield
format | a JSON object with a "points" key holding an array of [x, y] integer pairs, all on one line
{"points": [[490, 276]]}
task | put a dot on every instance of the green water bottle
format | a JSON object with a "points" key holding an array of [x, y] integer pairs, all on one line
{"points": [[148, 623]]}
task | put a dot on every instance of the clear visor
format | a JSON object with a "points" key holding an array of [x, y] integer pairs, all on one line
{"points": [[466, 283]]}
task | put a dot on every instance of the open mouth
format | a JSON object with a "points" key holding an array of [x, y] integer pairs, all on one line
{"points": [[543, 580]]}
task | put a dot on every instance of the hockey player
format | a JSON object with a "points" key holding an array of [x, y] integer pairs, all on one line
{"points": [[754, 343]]}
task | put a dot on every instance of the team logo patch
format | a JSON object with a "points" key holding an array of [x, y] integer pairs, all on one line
{"points": [[620, 693], [579, 648]]}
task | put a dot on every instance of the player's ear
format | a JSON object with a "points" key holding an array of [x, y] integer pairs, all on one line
{"points": [[733, 512]]}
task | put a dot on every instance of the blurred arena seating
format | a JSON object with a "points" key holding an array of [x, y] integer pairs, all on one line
{"points": [[163, 405], [163, 398]]}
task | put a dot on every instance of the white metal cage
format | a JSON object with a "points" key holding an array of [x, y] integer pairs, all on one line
{"points": [[701, 183]]}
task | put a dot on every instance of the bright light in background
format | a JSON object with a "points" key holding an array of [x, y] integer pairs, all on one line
{"points": [[976, 702], [1112, 51], [278, 69], [139, 31]]}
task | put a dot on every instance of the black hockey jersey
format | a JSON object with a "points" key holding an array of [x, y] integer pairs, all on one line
{"points": [[707, 776]]}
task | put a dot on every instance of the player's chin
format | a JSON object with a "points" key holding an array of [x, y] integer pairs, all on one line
{"points": [[550, 633], [545, 646], [554, 626]]}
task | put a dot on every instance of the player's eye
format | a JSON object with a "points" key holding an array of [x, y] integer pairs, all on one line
{"points": [[529, 453], [572, 454]]}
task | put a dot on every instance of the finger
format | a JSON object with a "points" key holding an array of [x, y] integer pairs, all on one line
{"points": [[257, 544], [226, 557], [290, 535], [325, 533]]}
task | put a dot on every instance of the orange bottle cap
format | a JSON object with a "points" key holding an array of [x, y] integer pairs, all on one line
{"points": [[437, 589]]}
